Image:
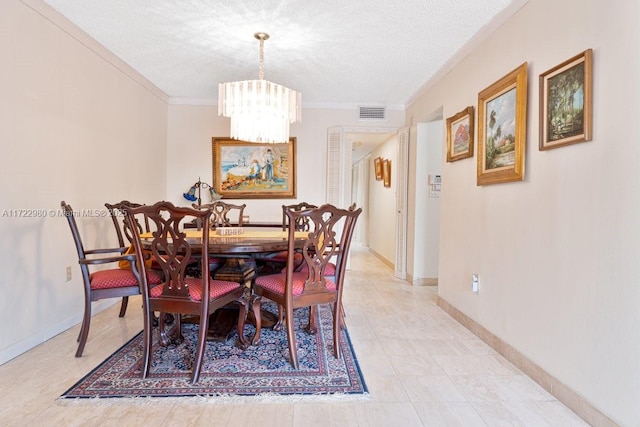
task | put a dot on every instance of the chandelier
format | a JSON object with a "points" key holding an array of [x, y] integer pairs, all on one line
{"points": [[260, 110]]}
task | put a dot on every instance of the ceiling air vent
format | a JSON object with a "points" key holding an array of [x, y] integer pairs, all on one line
{"points": [[372, 113]]}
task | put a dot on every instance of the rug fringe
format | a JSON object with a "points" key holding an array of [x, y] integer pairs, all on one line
{"points": [[265, 398]]}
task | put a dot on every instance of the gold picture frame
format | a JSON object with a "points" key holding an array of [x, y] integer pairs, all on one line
{"points": [[386, 172], [248, 170], [460, 135], [377, 166], [502, 129], [566, 102]]}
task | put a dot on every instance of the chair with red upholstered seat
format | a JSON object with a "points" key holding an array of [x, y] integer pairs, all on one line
{"points": [[180, 294], [116, 211], [110, 283], [330, 233], [274, 262], [222, 215]]}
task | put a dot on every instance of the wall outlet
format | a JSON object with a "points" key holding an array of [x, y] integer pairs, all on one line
{"points": [[68, 273], [475, 284]]}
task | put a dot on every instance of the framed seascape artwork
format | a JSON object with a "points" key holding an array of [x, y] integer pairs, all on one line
{"points": [[247, 170], [566, 103], [386, 172], [502, 127], [460, 135], [377, 165]]}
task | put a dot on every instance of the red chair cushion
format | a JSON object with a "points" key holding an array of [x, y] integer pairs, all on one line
{"points": [[277, 283], [217, 288], [119, 278]]}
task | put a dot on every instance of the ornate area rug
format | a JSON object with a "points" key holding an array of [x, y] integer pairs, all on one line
{"points": [[228, 372]]}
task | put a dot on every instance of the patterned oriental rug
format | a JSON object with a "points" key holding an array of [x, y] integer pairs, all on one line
{"points": [[228, 372]]}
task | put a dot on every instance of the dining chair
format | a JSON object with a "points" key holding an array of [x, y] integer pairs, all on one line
{"points": [[105, 283], [125, 237], [275, 261], [329, 237], [116, 211], [178, 293], [224, 214]]}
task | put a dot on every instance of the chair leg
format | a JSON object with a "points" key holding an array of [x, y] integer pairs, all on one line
{"points": [[147, 342], [338, 321], [256, 303], [312, 327], [291, 338], [123, 306], [202, 343], [280, 322], [242, 302], [84, 329]]}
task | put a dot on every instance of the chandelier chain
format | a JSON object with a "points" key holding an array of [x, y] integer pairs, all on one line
{"points": [[262, 37]]}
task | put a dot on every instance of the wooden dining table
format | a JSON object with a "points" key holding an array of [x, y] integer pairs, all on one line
{"points": [[238, 250]]}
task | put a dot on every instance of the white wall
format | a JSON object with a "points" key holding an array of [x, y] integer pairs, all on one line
{"points": [[557, 254], [425, 239], [189, 154], [78, 125], [382, 205]]}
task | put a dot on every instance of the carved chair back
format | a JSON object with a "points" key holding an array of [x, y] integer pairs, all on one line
{"points": [[303, 221], [224, 214], [124, 233]]}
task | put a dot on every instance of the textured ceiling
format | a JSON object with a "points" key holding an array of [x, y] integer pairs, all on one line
{"points": [[333, 51]]}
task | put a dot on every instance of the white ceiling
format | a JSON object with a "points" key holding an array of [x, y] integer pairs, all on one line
{"points": [[336, 52]]}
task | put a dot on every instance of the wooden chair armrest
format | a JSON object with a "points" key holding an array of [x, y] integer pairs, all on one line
{"points": [[105, 251], [130, 257]]}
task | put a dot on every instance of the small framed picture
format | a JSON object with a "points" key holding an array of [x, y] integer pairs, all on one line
{"points": [[386, 172], [502, 129], [460, 135], [377, 164], [566, 103]]}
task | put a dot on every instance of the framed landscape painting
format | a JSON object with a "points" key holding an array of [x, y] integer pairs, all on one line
{"points": [[247, 170], [566, 103], [460, 135], [502, 127]]}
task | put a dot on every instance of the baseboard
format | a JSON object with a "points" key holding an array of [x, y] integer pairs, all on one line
{"points": [[425, 281], [383, 259], [578, 404]]}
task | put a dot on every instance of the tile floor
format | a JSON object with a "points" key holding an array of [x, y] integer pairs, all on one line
{"points": [[421, 366]]}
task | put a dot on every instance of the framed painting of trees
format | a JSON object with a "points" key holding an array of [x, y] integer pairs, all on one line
{"points": [[502, 129], [566, 104]]}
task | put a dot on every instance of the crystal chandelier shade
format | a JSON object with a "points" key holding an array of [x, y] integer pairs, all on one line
{"points": [[260, 111]]}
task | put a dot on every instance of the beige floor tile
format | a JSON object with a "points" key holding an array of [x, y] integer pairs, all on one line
{"points": [[448, 414], [504, 388], [432, 388], [386, 414], [530, 414], [200, 415], [386, 388], [266, 415], [324, 415]]}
